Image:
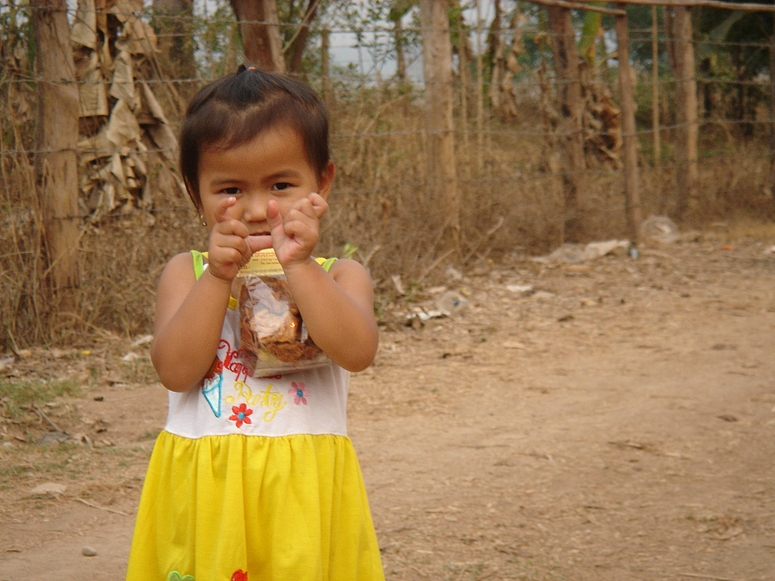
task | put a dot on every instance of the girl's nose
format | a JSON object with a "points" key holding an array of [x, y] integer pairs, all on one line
{"points": [[255, 208]]}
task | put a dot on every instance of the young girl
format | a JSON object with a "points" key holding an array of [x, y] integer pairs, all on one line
{"points": [[255, 478]]}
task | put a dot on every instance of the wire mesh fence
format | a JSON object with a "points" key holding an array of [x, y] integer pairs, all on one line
{"points": [[135, 69]]}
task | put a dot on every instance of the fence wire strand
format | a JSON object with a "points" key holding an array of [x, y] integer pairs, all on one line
{"points": [[471, 125]]}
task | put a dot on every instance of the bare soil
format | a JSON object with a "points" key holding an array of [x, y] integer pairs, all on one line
{"points": [[617, 423]]}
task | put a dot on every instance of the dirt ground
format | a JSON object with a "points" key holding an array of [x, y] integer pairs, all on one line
{"points": [[616, 422]]}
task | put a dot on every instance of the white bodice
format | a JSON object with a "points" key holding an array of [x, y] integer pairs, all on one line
{"points": [[311, 401]]}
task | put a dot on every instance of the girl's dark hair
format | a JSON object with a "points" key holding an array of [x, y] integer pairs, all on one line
{"points": [[235, 109]]}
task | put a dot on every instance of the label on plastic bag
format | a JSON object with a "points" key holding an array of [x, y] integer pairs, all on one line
{"points": [[263, 262], [273, 337]]}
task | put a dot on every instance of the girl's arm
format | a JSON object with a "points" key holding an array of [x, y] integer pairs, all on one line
{"points": [[189, 319], [337, 309], [190, 312]]}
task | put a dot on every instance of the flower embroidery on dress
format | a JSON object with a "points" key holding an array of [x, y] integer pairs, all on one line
{"points": [[299, 393], [239, 575], [241, 414]]}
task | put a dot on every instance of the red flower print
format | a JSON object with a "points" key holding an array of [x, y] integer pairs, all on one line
{"points": [[239, 575], [299, 393], [241, 416]]}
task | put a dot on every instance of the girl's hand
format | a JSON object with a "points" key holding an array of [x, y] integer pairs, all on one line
{"points": [[295, 235], [228, 249]]}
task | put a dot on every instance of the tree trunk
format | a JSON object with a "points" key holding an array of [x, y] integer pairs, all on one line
{"points": [[571, 139], [172, 21], [398, 10], [772, 113], [324, 68], [495, 50], [300, 42], [260, 31], [627, 106], [655, 85], [56, 165], [463, 61], [479, 93], [437, 72], [511, 67], [686, 109], [398, 36]]}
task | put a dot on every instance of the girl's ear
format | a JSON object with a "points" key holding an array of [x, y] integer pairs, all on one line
{"points": [[326, 179]]}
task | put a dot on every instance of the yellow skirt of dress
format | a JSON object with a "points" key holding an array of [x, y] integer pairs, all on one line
{"points": [[254, 508]]}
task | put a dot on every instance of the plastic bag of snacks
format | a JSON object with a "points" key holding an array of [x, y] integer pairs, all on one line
{"points": [[273, 338]]}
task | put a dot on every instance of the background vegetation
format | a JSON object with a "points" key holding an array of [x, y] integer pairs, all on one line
{"points": [[364, 59]]}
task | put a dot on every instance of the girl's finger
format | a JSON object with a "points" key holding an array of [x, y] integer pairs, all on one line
{"points": [[229, 226], [319, 204], [231, 240], [256, 243], [222, 208], [313, 206], [273, 215], [298, 224]]}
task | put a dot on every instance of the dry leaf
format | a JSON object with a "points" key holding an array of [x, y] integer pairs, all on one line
{"points": [[94, 100], [123, 126], [150, 104], [84, 30], [138, 38], [123, 85]]}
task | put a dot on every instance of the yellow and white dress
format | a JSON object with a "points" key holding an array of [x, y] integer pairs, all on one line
{"points": [[255, 479]]}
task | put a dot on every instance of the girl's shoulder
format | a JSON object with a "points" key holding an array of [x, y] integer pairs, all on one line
{"points": [[353, 277], [180, 267], [184, 261], [347, 267]]}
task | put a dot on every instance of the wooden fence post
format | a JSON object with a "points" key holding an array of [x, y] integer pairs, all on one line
{"points": [[56, 164], [627, 105], [437, 73], [686, 110], [571, 139]]}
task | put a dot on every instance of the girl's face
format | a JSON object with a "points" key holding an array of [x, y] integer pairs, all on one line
{"points": [[273, 166]]}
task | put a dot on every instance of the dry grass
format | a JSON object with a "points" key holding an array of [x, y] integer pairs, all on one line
{"points": [[21, 267], [510, 203], [745, 227], [19, 397]]}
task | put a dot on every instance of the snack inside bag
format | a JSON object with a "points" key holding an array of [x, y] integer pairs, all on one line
{"points": [[273, 338]]}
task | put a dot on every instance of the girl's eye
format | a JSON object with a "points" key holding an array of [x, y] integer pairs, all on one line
{"points": [[230, 191], [281, 186]]}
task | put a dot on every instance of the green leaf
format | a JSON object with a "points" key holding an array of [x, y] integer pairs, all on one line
{"points": [[349, 250]]}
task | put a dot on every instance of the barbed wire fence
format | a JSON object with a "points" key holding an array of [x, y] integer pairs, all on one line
{"points": [[509, 166]]}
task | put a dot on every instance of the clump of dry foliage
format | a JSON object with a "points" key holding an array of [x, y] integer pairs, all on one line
{"points": [[135, 215]]}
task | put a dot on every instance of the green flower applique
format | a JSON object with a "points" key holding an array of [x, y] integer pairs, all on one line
{"points": [[175, 576]]}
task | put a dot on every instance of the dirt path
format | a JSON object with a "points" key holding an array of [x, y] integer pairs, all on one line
{"points": [[615, 423]]}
